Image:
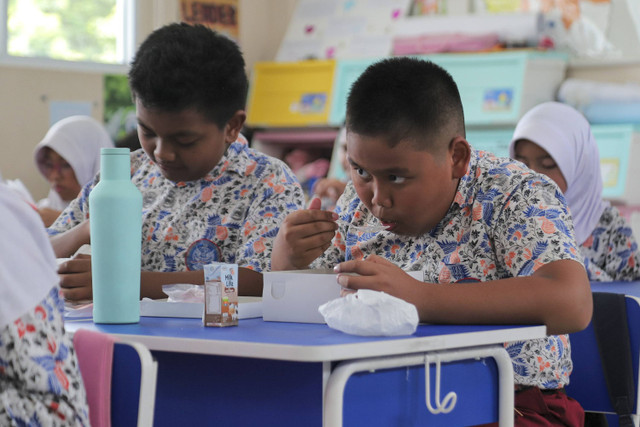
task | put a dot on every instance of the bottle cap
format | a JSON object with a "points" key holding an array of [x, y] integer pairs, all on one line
{"points": [[115, 151]]}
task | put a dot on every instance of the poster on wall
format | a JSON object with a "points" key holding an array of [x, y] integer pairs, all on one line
{"points": [[582, 27], [341, 29], [219, 15]]}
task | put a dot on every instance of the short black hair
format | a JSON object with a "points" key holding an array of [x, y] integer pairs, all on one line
{"points": [[406, 99], [181, 66]]}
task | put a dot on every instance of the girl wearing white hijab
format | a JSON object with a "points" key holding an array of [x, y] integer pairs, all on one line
{"points": [[69, 157], [40, 382], [556, 140]]}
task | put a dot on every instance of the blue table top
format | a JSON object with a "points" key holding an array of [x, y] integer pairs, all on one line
{"points": [[627, 288], [300, 341]]}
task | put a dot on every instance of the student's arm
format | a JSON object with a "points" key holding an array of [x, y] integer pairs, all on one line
{"points": [[75, 280], [71, 229], [68, 242], [249, 282], [557, 294], [303, 236]]}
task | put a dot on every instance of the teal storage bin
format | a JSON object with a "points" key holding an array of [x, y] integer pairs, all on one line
{"points": [[614, 145], [498, 88], [495, 141], [346, 72]]}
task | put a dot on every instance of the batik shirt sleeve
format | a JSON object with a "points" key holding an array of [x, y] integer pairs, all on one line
{"points": [[40, 382], [74, 214], [535, 228], [611, 252], [278, 194]]}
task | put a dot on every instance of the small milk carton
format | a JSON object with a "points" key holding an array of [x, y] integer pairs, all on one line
{"points": [[220, 294]]}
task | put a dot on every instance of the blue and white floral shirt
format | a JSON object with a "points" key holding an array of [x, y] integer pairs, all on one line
{"points": [[611, 252], [40, 382], [505, 221]]}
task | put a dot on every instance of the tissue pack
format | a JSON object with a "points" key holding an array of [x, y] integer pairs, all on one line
{"points": [[220, 294], [295, 295]]}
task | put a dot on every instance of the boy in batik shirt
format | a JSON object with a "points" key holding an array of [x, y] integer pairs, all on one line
{"points": [[207, 196], [494, 240]]}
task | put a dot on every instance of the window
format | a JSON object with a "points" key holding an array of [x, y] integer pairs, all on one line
{"points": [[98, 32]]}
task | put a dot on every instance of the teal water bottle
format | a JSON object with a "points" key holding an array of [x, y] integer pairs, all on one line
{"points": [[115, 216]]}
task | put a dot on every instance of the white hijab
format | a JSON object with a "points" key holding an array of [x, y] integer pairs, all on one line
{"points": [[566, 135], [78, 139], [27, 263]]}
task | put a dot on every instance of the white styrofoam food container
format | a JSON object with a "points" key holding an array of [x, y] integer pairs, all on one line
{"points": [[295, 295]]}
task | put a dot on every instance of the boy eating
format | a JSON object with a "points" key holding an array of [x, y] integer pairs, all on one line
{"points": [[494, 240]]}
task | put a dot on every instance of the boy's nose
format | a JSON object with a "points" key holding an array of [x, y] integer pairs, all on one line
{"points": [[163, 151], [381, 196]]}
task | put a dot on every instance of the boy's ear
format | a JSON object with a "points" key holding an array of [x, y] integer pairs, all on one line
{"points": [[234, 126], [460, 152]]}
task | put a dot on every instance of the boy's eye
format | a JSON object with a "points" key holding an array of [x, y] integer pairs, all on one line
{"points": [[397, 179], [186, 143], [362, 173]]}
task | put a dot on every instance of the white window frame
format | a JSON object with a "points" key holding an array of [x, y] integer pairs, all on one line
{"points": [[126, 48]]}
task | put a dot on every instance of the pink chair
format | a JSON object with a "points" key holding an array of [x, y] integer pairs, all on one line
{"points": [[111, 372]]}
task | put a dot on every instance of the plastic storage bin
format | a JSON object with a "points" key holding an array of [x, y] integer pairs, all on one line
{"points": [[615, 147], [289, 94], [495, 141], [496, 88], [347, 72]]}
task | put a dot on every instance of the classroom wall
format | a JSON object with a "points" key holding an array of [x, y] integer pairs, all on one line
{"points": [[25, 96]]}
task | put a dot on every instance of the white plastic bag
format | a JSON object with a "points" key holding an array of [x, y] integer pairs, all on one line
{"points": [[370, 313], [184, 292]]}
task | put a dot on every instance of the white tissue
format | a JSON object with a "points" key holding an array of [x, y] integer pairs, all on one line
{"points": [[370, 313]]}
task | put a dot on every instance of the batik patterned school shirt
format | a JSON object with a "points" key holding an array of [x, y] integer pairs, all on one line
{"points": [[505, 221], [611, 252], [230, 215], [40, 382]]}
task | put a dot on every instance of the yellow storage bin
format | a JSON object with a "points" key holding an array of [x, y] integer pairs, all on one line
{"points": [[290, 93]]}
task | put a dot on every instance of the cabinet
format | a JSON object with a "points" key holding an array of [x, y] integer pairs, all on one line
{"points": [[290, 94]]}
